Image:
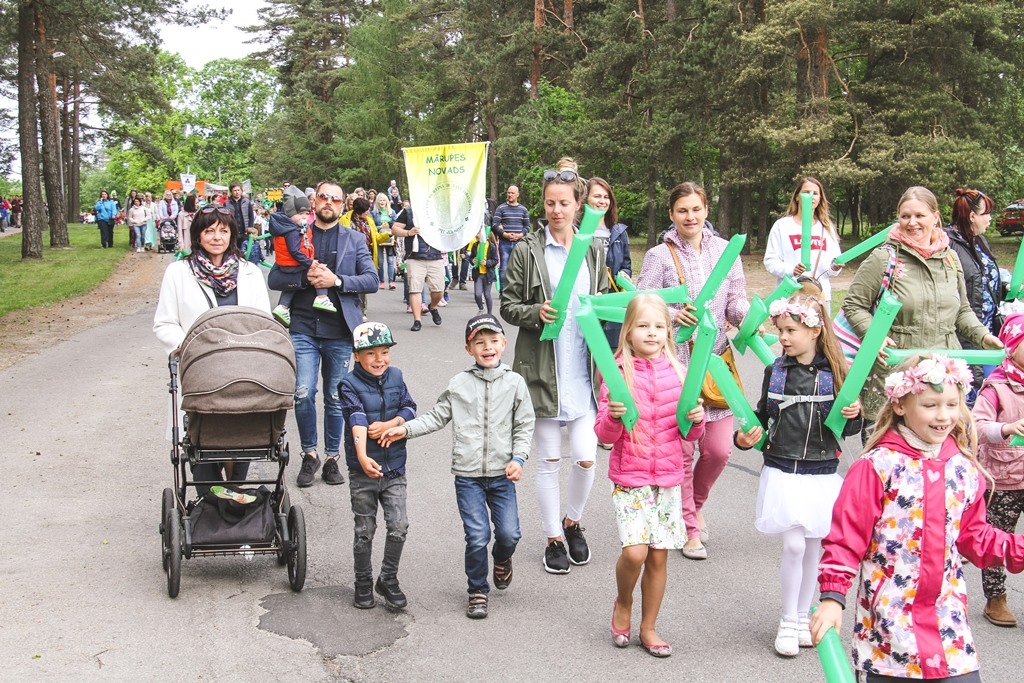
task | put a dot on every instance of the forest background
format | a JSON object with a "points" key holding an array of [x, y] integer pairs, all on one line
{"points": [[745, 96]]}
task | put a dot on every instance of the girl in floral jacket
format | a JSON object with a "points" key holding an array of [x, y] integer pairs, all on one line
{"points": [[910, 508]]}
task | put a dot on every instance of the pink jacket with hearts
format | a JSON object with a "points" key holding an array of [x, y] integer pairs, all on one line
{"points": [[652, 454], [903, 522]]}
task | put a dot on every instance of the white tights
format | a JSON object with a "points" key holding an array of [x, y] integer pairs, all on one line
{"points": [[799, 573], [547, 436]]}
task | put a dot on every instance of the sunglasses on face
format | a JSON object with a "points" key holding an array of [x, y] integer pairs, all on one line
{"points": [[564, 176], [336, 199], [218, 209]]}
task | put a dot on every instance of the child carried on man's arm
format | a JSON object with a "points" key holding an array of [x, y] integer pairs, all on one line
{"points": [[492, 417], [293, 251]]}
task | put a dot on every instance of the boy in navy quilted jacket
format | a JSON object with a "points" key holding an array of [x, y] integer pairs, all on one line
{"points": [[646, 464], [799, 482]]}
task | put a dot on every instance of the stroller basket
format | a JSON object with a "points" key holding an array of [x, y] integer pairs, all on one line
{"points": [[248, 431], [236, 360]]}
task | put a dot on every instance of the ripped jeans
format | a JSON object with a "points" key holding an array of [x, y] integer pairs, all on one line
{"points": [[365, 495], [329, 358]]}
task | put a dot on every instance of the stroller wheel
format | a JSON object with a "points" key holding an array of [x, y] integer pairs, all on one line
{"points": [[283, 546], [166, 505], [297, 551], [172, 550]]}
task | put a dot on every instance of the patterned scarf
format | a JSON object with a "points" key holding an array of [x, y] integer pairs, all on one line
{"points": [[222, 279], [359, 223], [939, 241]]}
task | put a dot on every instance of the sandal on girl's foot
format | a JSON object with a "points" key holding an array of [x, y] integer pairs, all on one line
{"points": [[619, 638], [700, 553], [661, 650]]}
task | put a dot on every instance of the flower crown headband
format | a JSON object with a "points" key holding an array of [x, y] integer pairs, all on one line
{"points": [[798, 312], [929, 372]]}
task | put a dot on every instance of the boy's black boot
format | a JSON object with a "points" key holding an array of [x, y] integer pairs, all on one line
{"points": [[392, 594], [364, 595]]}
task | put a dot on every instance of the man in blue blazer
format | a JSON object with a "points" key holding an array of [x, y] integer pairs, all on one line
{"points": [[343, 265]]}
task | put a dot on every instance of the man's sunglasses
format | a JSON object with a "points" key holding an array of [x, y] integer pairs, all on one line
{"points": [[337, 199], [564, 176], [218, 209]]}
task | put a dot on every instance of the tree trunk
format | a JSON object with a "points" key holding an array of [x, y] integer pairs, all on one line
{"points": [[74, 181], [567, 14], [746, 200], [538, 25], [28, 126], [670, 11], [492, 159], [724, 224], [652, 206], [762, 218], [65, 140], [47, 83]]}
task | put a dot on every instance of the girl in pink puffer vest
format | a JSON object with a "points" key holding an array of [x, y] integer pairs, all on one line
{"points": [[646, 465]]}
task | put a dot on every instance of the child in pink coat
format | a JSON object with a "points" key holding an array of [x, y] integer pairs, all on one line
{"points": [[647, 466]]}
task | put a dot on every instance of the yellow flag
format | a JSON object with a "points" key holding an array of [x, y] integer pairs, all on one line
{"points": [[447, 192]]}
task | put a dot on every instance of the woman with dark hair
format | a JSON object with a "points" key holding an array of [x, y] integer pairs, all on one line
{"points": [[105, 211], [136, 218], [185, 216], [688, 253], [128, 204], [215, 274], [615, 239]]}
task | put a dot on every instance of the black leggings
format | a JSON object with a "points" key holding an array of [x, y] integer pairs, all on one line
{"points": [[106, 233]]}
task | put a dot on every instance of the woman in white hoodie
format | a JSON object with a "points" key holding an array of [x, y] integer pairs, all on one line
{"points": [[782, 253]]}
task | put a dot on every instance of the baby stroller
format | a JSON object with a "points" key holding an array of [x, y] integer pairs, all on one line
{"points": [[237, 382], [167, 241]]}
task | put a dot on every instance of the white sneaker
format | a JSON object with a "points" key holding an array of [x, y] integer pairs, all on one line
{"points": [[787, 640], [804, 634]]}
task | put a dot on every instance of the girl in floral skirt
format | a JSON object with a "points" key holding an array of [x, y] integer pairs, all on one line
{"points": [[646, 465]]}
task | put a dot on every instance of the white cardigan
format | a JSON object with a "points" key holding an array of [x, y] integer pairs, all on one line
{"points": [[182, 301], [782, 252]]}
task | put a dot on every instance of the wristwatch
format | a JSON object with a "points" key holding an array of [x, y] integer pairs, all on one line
{"points": [[337, 282]]}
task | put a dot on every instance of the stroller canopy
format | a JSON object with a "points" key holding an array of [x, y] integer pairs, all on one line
{"points": [[235, 360]]}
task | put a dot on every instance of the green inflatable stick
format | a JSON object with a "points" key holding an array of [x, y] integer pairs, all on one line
{"points": [[759, 346], [1017, 279], [577, 255], [864, 247], [700, 356], [752, 322], [680, 294], [746, 419], [806, 220], [481, 248], [786, 288], [605, 362], [714, 282], [624, 283], [969, 356], [834, 661], [888, 307], [1017, 440]]}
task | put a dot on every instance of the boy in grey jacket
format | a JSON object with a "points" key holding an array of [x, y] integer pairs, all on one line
{"points": [[492, 416]]}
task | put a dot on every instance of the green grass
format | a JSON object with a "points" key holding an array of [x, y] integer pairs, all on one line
{"points": [[60, 274]]}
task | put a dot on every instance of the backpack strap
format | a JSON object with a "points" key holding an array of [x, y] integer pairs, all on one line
{"points": [[786, 401]]}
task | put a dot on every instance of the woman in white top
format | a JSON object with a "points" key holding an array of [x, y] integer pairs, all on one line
{"points": [[782, 253]]}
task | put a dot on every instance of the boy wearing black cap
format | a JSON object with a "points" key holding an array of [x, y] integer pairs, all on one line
{"points": [[374, 398], [492, 417], [293, 251]]}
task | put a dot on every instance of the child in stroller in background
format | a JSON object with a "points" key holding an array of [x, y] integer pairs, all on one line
{"points": [[293, 251]]}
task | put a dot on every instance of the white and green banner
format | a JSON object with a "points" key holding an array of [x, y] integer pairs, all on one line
{"points": [[448, 192]]}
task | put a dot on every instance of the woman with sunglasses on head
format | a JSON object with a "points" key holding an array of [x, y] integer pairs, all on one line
{"points": [[557, 372], [972, 214], [687, 255]]}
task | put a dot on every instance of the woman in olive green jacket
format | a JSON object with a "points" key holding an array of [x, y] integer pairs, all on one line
{"points": [[928, 281], [558, 372]]}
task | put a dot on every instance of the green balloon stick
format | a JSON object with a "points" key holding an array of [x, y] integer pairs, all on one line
{"points": [[1017, 440], [759, 346], [1017, 279], [806, 219], [770, 339], [577, 254], [864, 247], [624, 283], [612, 314], [755, 317], [746, 419], [700, 356], [605, 362], [888, 307], [969, 356], [834, 661], [481, 248], [714, 281], [786, 288], [612, 307]]}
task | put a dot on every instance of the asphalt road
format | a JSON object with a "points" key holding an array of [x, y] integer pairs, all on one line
{"points": [[84, 597]]}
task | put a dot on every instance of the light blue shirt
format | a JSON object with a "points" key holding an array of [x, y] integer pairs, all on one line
{"points": [[572, 364]]}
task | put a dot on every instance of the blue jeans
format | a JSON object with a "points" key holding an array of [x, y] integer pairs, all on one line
{"points": [[386, 261], [505, 252], [331, 358], [475, 495], [365, 495]]}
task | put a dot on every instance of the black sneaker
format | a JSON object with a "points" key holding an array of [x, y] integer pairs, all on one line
{"points": [[477, 607], [502, 574], [416, 325], [364, 595], [579, 551], [392, 594], [310, 465], [435, 315], [332, 474], [556, 560]]}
